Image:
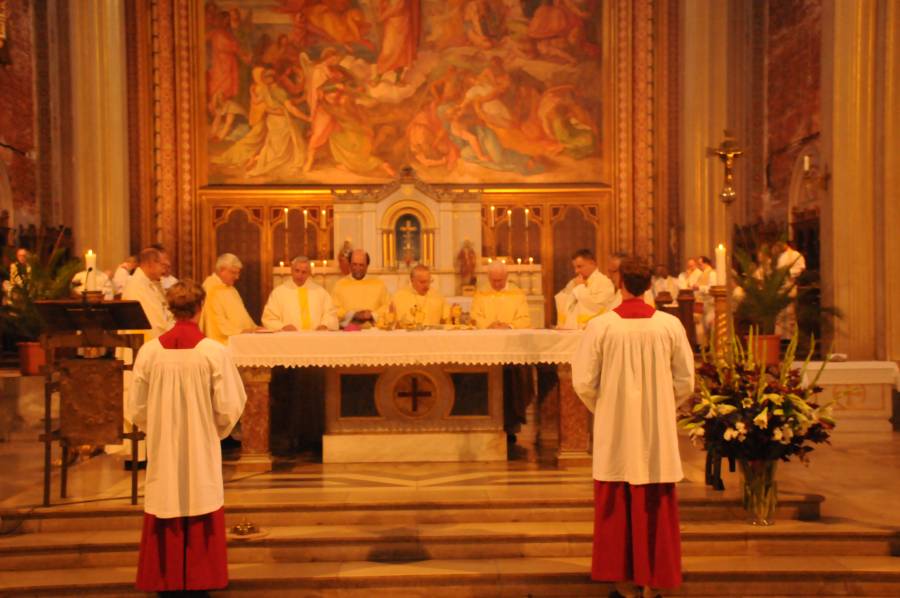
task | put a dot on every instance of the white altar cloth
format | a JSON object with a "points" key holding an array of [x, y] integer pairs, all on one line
{"points": [[381, 348]]}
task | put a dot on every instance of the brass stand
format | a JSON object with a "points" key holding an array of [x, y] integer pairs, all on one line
{"points": [[721, 344]]}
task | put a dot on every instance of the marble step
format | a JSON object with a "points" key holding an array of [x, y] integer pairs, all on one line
{"points": [[696, 506], [389, 543], [802, 575]]}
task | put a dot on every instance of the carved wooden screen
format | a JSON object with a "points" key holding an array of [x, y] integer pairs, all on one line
{"points": [[240, 234], [318, 234], [526, 241], [572, 230]]}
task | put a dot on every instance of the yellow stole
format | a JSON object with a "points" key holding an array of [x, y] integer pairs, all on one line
{"points": [[303, 297]]}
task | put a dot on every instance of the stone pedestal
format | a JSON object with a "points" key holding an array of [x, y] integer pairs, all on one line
{"points": [[574, 422], [862, 393], [255, 453]]}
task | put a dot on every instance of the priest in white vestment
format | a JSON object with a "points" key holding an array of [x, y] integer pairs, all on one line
{"points": [[224, 314], [691, 275], [144, 286], [123, 273], [186, 395], [419, 303], [299, 303], [631, 367], [663, 283], [793, 260], [586, 296], [359, 299], [705, 281]]}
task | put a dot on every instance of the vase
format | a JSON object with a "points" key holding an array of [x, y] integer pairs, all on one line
{"points": [[760, 490]]}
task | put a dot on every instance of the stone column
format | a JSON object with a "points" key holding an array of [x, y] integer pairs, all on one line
{"points": [[99, 129], [703, 112], [255, 453], [574, 421], [860, 217]]}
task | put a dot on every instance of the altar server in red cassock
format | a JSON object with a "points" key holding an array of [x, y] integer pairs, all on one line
{"points": [[633, 364], [187, 395]]}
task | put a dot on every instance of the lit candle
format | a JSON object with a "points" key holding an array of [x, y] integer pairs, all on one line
{"points": [[324, 263], [721, 266], [509, 232], [527, 224], [531, 260], [281, 264], [90, 265], [519, 261], [325, 218], [305, 219], [806, 163], [490, 260], [492, 216], [285, 219]]}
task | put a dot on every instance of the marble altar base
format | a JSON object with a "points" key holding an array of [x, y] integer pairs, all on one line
{"points": [[414, 448]]}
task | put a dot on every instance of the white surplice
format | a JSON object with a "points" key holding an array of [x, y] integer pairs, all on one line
{"points": [[630, 372], [288, 306], [578, 303], [186, 400], [120, 279]]}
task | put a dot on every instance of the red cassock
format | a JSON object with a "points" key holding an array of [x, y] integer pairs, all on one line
{"points": [[636, 527], [183, 553]]}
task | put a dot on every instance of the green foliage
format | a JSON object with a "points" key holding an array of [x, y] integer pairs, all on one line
{"points": [[45, 280], [766, 291]]}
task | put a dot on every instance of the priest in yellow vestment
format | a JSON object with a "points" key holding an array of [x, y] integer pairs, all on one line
{"points": [[299, 303], [359, 299], [419, 303], [500, 306], [224, 313]]}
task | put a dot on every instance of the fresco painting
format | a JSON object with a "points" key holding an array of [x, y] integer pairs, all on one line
{"points": [[351, 91]]}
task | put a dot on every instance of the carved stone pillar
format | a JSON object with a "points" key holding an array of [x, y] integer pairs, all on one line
{"points": [[574, 421], [255, 453]]}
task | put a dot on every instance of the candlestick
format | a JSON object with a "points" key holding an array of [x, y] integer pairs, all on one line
{"points": [[492, 215], [721, 265], [90, 265], [509, 231], [305, 224], [527, 226], [286, 236], [325, 218], [285, 220]]}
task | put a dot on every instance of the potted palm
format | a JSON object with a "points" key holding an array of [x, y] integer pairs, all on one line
{"points": [[763, 292], [50, 279], [757, 415]]}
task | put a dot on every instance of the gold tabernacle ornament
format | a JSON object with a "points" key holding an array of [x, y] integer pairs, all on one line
{"points": [[728, 151]]}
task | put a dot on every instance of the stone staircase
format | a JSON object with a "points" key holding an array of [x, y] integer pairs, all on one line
{"points": [[533, 545]]}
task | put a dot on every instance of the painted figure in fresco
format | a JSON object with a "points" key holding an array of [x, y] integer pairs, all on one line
{"points": [[336, 21], [557, 28], [352, 140], [565, 121], [400, 22], [283, 144], [222, 75]]}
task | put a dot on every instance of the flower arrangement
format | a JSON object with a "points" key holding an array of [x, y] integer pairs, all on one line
{"points": [[744, 410], [757, 415]]}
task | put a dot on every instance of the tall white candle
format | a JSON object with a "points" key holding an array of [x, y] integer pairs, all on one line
{"points": [[90, 265], [721, 265], [305, 220], [285, 219], [493, 208]]}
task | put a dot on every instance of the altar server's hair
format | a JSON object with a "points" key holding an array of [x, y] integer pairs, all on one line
{"points": [[585, 254], [185, 299], [228, 260], [299, 260], [636, 275]]}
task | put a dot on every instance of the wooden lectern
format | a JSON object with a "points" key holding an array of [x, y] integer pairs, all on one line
{"points": [[77, 339]]}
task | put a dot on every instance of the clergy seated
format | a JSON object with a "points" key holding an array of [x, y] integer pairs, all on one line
{"points": [[186, 396], [224, 313], [586, 296], [98, 281], [123, 274], [359, 299], [500, 305], [419, 304], [299, 303]]}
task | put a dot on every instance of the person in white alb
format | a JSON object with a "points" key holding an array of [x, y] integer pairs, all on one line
{"points": [[187, 394], [586, 296], [631, 367], [123, 273], [705, 281], [300, 303], [793, 260], [144, 286], [224, 314], [663, 283], [691, 275]]}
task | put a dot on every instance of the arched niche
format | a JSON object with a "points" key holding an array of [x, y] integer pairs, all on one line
{"points": [[397, 226]]}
